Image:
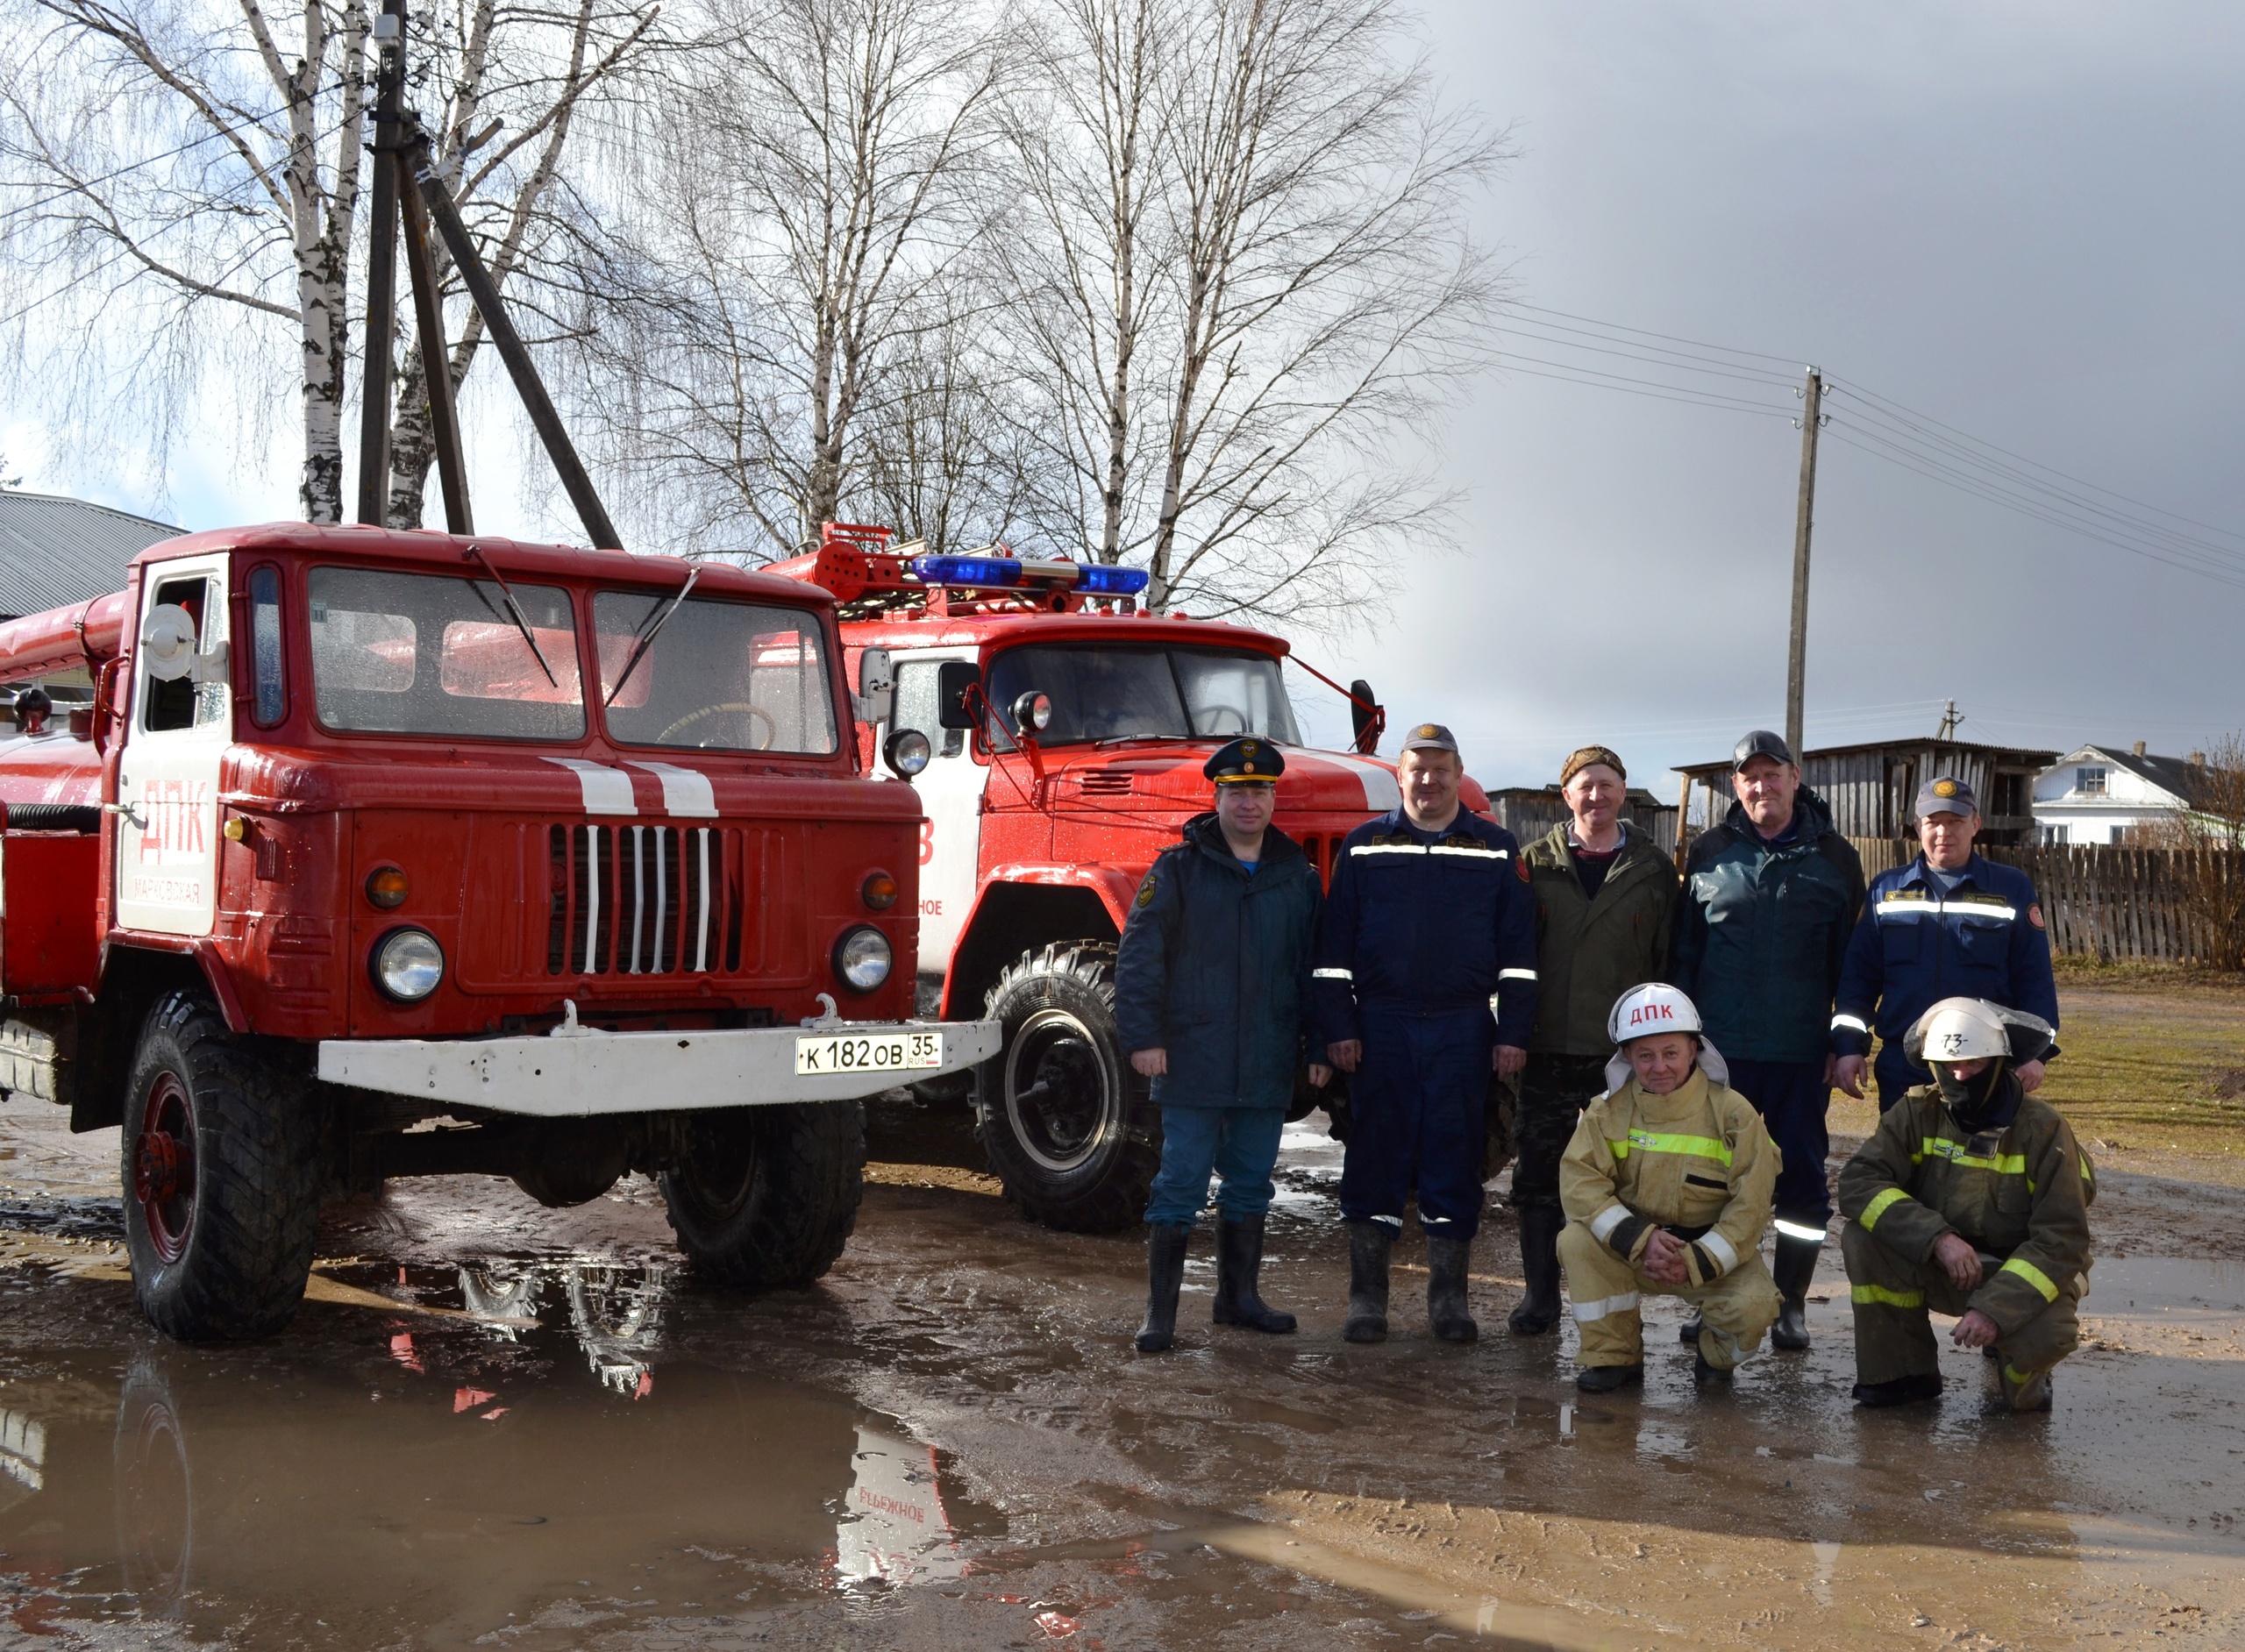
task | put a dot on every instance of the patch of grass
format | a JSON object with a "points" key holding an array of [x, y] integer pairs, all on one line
{"points": [[2074, 969], [2153, 1065]]}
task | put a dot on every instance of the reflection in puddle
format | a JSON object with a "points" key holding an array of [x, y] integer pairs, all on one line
{"points": [[440, 1482]]}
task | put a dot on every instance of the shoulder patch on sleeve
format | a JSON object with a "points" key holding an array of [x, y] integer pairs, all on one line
{"points": [[1146, 889], [2034, 915]]}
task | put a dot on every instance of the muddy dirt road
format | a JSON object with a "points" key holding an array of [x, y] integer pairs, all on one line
{"points": [[494, 1426]]}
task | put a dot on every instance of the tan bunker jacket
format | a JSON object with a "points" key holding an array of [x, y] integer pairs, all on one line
{"points": [[2021, 1193], [1697, 1161]]}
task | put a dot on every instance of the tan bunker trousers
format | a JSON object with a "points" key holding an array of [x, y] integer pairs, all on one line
{"points": [[1602, 1289], [1894, 1338]]}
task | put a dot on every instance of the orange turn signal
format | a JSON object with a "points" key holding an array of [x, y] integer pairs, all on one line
{"points": [[386, 887], [878, 891]]}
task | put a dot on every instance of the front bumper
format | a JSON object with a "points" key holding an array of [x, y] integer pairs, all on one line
{"points": [[586, 1073]]}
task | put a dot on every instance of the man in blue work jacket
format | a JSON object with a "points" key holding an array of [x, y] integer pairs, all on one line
{"points": [[1949, 924], [1762, 926], [1429, 918], [1212, 1001]]}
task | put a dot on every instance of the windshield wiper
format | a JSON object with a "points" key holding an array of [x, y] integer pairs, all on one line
{"points": [[515, 609], [1146, 739], [647, 641]]}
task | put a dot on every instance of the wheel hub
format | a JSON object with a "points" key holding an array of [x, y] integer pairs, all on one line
{"points": [[156, 1169], [1057, 1094], [163, 1165]]}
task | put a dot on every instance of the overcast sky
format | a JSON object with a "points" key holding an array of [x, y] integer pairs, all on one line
{"points": [[2022, 221]]}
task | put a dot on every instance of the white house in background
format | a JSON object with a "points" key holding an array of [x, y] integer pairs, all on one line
{"points": [[2096, 794]]}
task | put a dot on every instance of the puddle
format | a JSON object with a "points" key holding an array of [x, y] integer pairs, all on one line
{"points": [[550, 1459]]}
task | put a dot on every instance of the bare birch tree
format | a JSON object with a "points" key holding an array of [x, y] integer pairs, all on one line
{"points": [[184, 183], [798, 221]]}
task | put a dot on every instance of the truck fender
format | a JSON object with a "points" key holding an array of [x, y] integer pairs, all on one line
{"points": [[204, 950], [1112, 887]]}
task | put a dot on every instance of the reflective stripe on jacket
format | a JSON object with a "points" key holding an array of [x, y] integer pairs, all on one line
{"points": [[1588, 952], [2021, 1193], [1698, 1162], [1912, 947]]}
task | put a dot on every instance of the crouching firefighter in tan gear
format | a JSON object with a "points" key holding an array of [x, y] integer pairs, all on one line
{"points": [[1666, 1187], [1971, 1199]]}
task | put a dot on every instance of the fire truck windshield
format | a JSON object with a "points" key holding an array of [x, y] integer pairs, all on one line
{"points": [[1102, 694], [722, 676], [420, 654]]}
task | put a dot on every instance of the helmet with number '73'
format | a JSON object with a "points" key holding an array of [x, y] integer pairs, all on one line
{"points": [[1646, 1011], [1974, 1029]]}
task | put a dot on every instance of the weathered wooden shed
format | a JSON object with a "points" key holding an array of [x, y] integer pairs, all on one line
{"points": [[1871, 787]]}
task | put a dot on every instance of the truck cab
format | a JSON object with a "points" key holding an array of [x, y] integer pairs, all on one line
{"points": [[385, 854], [1056, 732]]}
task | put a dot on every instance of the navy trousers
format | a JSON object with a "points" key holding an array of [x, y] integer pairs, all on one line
{"points": [[1792, 1096], [1417, 1101], [1896, 1073], [1240, 1144]]}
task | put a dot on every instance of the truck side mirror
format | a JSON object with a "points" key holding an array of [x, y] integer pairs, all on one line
{"points": [[957, 683], [167, 641], [1368, 716], [876, 696]]}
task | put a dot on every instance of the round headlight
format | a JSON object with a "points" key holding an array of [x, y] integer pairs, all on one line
{"points": [[862, 959], [385, 887], [878, 891], [408, 963], [906, 752]]}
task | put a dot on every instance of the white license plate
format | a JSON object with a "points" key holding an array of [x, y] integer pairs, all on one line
{"points": [[867, 1052]]}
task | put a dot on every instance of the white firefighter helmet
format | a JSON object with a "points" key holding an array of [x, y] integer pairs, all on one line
{"points": [[1974, 1029], [1653, 1008]]}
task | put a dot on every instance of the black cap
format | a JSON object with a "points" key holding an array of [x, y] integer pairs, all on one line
{"points": [[1759, 743], [1245, 759]]}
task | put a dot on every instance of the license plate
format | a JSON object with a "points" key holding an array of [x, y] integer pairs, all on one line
{"points": [[818, 1053]]}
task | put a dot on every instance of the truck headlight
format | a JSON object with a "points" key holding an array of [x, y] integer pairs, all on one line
{"points": [[862, 958], [408, 963]]}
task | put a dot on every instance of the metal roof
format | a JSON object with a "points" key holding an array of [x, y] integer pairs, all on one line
{"points": [[55, 552]]}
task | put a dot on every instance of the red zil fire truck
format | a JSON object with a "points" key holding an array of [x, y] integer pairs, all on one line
{"points": [[1055, 732], [395, 854]]}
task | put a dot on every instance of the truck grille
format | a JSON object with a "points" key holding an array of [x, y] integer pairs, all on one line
{"points": [[643, 900]]}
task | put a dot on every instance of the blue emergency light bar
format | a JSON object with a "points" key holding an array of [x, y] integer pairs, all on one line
{"points": [[1005, 573]]}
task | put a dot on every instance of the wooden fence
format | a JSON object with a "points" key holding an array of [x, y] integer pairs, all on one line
{"points": [[2113, 903]]}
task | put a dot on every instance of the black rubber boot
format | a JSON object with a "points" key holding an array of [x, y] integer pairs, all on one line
{"points": [[1903, 1391], [1239, 1259], [1795, 1268], [1705, 1375], [1369, 1244], [1448, 1262], [1165, 1275], [1604, 1379], [1689, 1335], [1538, 1310]]}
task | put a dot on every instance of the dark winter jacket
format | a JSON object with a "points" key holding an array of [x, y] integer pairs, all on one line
{"points": [[1588, 952], [1214, 969], [1762, 929], [1427, 924]]}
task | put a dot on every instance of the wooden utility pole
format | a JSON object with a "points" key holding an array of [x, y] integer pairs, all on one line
{"points": [[1797, 663]]}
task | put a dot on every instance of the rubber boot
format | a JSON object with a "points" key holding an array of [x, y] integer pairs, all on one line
{"points": [[1794, 1267], [1903, 1391], [2027, 1391], [1239, 1259], [1369, 1245], [1165, 1276], [1705, 1375], [1604, 1379], [1538, 1310], [1689, 1335], [1448, 1260]]}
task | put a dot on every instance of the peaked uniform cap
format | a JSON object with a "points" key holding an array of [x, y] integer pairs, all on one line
{"points": [[1247, 759]]}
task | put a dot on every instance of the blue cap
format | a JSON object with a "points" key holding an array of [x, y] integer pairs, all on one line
{"points": [[1247, 759], [1944, 795]]}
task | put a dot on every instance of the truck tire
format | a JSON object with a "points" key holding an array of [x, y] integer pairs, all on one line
{"points": [[765, 1198], [220, 1164], [1064, 1123]]}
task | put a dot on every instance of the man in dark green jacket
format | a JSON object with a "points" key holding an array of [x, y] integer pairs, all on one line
{"points": [[1212, 1001], [1762, 926], [1604, 899]]}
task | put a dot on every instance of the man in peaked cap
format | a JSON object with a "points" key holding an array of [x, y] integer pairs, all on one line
{"points": [[1949, 924], [1212, 1001], [1429, 919]]}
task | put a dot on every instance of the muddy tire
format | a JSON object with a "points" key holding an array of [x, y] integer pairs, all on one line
{"points": [[221, 1169], [765, 1198], [1064, 1123]]}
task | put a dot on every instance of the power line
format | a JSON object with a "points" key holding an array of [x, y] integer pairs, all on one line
{"points": [[1675, 392], [1696, 343]]}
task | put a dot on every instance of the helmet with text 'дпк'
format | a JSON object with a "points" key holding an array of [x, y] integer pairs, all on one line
{"points": [[1646, 1011]]}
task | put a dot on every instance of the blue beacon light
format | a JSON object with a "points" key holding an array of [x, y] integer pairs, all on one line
{"points": [[1007, 572]]}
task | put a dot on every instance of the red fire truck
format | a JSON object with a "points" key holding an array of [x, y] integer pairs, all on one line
{"points": [[395, 854], [1055, 732]]}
